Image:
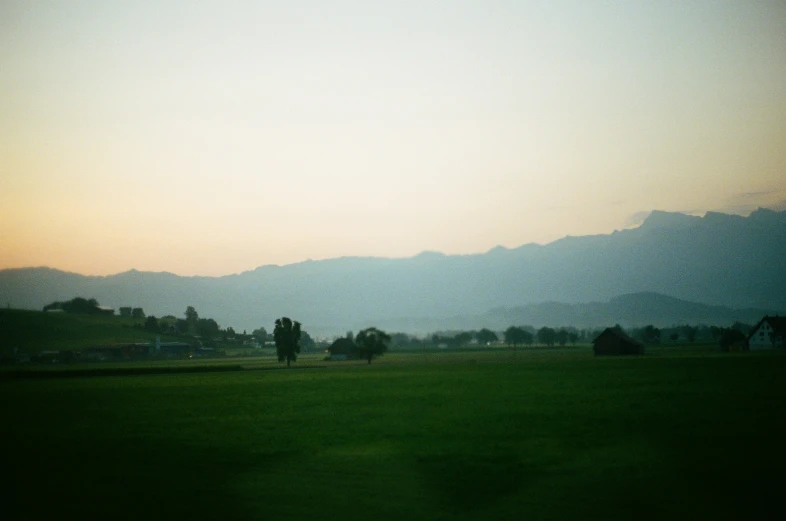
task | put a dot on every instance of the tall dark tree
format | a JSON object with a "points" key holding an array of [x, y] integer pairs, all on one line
{"points": [[192, 317], [287, 337], [562, 336], [371, 342]]}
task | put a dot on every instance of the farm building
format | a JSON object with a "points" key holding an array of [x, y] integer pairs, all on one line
{"points": [[769, 333], [614, 342]]}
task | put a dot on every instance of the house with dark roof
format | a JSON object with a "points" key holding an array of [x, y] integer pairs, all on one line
{"points": [[614, 342], [769, 333]]}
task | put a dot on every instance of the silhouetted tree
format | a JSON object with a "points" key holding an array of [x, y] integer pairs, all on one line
{"points": [[741, 327], [306, 342], [547, 336], [515, 335], [343, 346], [192, 317], [649, 335], [573, 337], [371, 342], [207, 328], [182, 325], [690, 332], [137, 313], [730, 336], [486, 336], [260, 334], [399, 339], [562, 336], [716, 332], [462, 339], [151, 324], [77, 305], [287, 337]]}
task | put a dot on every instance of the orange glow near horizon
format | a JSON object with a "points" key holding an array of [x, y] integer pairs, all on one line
{"points": [[209, 139]]}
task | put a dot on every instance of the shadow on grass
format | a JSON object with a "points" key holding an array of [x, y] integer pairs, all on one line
{"points": [[51, 479], [464, 483]]}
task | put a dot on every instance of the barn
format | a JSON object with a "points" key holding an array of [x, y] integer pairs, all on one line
{"points": [[614, 342]]}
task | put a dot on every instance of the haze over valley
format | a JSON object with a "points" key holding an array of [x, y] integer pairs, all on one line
{"points": [[721, 267], [393, 260]]}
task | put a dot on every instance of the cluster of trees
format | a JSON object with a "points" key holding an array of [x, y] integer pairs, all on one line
{"points": [[262, 337], [463, 338], [79, 305], [369, 343], [653, 336], [211, 334], [129, 312], [205, 328], [372, 342], [514, 335], [547, 336]]}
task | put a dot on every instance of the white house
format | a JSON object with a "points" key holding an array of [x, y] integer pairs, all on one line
{"points": [[769, 333]]}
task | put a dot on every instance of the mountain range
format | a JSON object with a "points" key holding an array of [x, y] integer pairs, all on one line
{"points": [[657, 273]]}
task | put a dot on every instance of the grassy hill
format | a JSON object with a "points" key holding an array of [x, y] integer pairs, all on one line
{"points": [[34, 331]]}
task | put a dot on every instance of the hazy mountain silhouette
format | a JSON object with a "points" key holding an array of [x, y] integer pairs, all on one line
{"points": [[721, 260]]}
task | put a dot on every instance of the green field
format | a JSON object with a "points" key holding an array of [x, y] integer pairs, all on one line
{"points": [[539, 435]]}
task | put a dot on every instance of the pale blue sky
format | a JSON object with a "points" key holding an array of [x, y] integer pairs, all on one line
{"points": [[213, 137]]}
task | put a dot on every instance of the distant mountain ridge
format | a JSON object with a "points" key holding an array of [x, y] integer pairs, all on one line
{"points": [[721, 260], [630, 310]]}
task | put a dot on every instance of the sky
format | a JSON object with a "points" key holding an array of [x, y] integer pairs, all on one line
{"points": [[209, 138]]}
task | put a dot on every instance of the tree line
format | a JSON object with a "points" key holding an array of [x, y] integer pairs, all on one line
{"points": [[289, 337]]}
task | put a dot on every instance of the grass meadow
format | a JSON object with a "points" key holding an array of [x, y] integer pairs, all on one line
{"points": [[539, 434]]}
